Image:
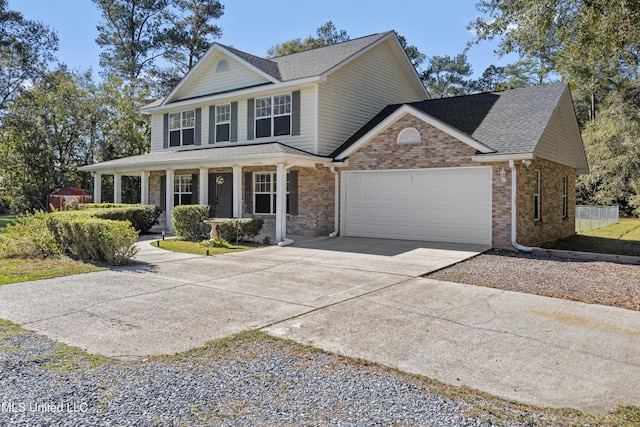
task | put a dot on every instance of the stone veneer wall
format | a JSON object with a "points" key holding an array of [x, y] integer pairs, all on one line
{"points": [[552, 225]]}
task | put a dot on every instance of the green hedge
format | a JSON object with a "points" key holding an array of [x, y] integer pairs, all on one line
{"points": [[95, 239], [240, 229], [142, 217], [188, 222], [29, 237]]}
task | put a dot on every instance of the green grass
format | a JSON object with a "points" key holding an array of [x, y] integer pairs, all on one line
{"points": [[6, 220], [622, 238], [14, 270], [199, 248]]}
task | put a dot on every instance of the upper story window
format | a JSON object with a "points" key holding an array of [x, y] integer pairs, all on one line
{"points": [[273, 116], [223, 122], [182, 128]]}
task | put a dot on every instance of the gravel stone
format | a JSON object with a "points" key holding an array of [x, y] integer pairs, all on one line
{"points": [[598, 282], [259, 383]]}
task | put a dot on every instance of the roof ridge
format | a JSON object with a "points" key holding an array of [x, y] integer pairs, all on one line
{"points": [[335, 44]]}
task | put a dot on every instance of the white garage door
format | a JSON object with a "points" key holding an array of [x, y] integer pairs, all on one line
{"points": [[439, 205]]}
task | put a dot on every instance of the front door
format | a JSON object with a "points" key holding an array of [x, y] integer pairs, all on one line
{"points": [[221, 194]]}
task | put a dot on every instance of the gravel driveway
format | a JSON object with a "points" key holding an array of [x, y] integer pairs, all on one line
{"points": [[592, 282], [258, 382]]}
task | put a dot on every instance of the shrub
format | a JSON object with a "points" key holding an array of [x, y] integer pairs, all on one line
{"points": [[142, 217], [6, 204], [188, 221], [95, 239], [29, 237], [237, 229]]}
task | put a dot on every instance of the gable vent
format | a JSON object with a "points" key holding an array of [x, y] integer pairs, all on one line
{"points": [[409, 136], [222, 65]]}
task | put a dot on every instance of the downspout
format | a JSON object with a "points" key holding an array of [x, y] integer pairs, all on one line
{"points": [[514, 228], [336, 207]]}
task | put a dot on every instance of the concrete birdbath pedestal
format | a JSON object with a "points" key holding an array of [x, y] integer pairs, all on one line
{"points": [[214, 223]]}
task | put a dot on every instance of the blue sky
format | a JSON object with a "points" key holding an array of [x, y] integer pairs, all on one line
{"points": [[435, 27]]}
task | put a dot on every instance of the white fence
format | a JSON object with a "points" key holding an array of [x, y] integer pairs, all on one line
{"points": [[590, 217]]}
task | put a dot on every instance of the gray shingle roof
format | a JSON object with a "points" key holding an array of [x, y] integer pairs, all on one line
{"points": [[309, 63], [509, 122], [198, 155]]}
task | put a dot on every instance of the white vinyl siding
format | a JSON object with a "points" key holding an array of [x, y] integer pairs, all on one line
{"points": [[207, 81], [439, 205], [341, 115]]}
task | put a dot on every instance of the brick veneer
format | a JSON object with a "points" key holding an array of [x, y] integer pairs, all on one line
{"points": [[439, 149], [552, 225]]}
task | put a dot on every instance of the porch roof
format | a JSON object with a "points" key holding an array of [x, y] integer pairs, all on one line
{"points": [[237, 155]]}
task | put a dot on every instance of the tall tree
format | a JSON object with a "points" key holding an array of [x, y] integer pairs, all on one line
{"points": [[448, 76], [130, 34], [327, 34], [191, 31], [48, 131], [26, 48]]}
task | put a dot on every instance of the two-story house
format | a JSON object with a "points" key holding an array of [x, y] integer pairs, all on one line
{"points": [[340, 139]]}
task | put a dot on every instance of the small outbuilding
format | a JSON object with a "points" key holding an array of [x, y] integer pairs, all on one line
{"points": [[61, 197]]}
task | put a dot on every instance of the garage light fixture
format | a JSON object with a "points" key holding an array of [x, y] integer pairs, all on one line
{"points": [[503, 175]]}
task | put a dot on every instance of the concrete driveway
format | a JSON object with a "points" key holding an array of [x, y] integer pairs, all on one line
{"points": [[359, 297]]}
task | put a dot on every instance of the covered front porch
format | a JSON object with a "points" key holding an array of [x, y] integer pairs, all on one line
{"points": [[268, 181]]}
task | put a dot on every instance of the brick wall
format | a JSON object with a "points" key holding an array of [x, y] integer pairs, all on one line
{"points": [[552, 225]]}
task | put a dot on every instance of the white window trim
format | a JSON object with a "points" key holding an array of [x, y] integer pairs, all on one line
{"points": [[565, 196], [222, 122], [272, 115], [182, 182], [537, 196], [182, 127], [272, 192], [408, 136]]}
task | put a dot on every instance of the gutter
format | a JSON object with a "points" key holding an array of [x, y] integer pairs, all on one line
{"points": [[514, 228]]}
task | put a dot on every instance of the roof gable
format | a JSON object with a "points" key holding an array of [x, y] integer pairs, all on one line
{"points": [[249, 70], [509, 123]]}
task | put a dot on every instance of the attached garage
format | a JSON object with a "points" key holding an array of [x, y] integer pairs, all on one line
{"points": [[439, 205]]}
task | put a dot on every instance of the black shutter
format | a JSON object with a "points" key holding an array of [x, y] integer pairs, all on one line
{"points": [[212, 124], [248, 192], [293, 193], [163, 192], [165, 134], [233, 137], [198, 131], [295, 112], [195, 199], [250, 117]]}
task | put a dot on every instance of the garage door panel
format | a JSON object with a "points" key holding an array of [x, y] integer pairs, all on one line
{"points": [[448, 204]]}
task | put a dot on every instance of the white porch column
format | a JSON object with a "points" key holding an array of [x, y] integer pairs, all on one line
{"points": [[203, 186], [169, 199], [237, 191], [117, 188], [281, 202], [144, 187], [97, 187]]}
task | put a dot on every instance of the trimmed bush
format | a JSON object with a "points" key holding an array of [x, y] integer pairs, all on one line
{"points": [[142, 217], [188, 222], [29, 237], [6, 204], [240, 229], [95, 239]]}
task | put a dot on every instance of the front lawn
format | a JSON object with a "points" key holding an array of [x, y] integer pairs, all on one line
{"points": [[197, 248], [13, 270], [622, 238]]}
